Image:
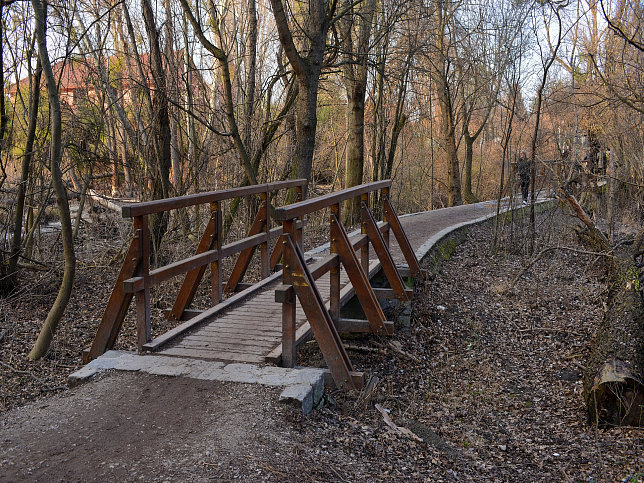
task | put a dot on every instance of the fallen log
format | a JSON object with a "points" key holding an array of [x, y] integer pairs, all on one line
{"points": [[614, 376]]}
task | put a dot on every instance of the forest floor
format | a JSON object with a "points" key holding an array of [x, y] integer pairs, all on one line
{"points": [[488, 376]]}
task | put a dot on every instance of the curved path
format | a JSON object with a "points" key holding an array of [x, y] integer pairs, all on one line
{"points": [[250, 331], [138, 425]]}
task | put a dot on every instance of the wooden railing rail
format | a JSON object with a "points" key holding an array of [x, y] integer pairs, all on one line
{"points": [[300, 280], [167, 204], [306, 207], [136, 279]]}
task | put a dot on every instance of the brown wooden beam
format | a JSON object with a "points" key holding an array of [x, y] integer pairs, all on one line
{"points": [[118, 303], [401, 237], [358, 278], [156, 206], [143, 323], [361, 326], [390, 294], [243, 261], [195, 274], [302, 208], [297, 274], [381, 249]]}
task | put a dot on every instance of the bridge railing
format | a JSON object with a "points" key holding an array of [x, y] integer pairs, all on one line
{"points": [[136, 278], [299, 280]]}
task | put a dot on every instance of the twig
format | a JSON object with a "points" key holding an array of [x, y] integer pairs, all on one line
{"points": [[336, 473], [395, 346], [549, 249], [573, 356], [31, 266], [579, 365], [548, 329], [398, 429], [28, 373], [271, 469], [361, 348]]}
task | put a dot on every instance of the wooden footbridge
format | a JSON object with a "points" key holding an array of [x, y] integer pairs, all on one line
{"points": [[295, 299]]}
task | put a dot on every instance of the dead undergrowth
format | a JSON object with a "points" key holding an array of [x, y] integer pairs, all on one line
{"points": [[488, 375]]}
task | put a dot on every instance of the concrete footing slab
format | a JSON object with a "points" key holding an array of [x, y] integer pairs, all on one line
{"points": [[303, 387]]}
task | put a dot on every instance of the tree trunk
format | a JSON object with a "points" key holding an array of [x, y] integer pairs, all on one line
{"points": [[354, 167], [58, 308], [34, 101], [161, 177], [172, 89], [358, 25], [468, 196], [251, 71], [614, 375], [4, 119], [448, 137], [440, 72], [306, 124], [307, 68]]}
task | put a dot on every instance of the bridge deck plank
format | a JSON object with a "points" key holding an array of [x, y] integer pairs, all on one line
{"points": [[247, 332]]}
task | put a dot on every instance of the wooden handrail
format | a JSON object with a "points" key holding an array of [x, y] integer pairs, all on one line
{"points": [[157, 206], [136, 279], [159, 275], [309, 206]]}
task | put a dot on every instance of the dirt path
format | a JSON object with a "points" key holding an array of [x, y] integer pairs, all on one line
{"points": [[133, 427], [488, 376]]}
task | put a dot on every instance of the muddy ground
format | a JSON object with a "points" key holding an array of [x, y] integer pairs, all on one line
{"points": [[487, 379]]}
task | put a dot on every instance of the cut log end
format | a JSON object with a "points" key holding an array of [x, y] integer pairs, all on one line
{"points": [[617, 396]]}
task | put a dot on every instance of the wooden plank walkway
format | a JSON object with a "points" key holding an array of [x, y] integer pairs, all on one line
{"points": [[251, 331]]}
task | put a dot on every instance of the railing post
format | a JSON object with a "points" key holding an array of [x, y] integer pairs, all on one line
{"points": [[289, 349], [364, 251], [288, 305], [143, 329], [263, 248], [334, 272], [299, 194], [215, 267], [384, 194]]}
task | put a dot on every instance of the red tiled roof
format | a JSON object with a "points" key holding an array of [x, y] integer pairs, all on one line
{"points": [[72, 74]]}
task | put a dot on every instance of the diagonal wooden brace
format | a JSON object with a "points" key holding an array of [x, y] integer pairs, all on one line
{"points": [[384, 255], [401, 237], [114, 314], [243, 261], [193, 278], [323, 328], [276, 254], [358, 277]]}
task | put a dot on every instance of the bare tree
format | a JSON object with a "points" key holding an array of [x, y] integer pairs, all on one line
{"points": [[306, 60], [58, 308], [356, 32]]}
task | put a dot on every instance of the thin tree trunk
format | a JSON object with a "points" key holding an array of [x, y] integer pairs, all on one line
{"points": [[533, 150], [161, 177], [171, 65], [468, 196], [355, 82], [192, 132], [250, 71], [58, 308], [16, 242], [4, 119]]}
